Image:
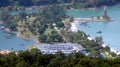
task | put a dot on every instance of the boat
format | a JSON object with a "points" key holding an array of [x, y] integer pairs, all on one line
{"points": [[7, 36], [99, 32], [21, 44], [83, 23], [2, 28]]}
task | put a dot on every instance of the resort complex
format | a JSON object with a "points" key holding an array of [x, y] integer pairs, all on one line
{"points": [[65, 48], [59, 33]]}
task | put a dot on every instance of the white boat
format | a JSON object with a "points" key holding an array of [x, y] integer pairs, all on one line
{"points": [[2, 27]]}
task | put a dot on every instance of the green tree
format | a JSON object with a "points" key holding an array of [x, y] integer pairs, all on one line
{"points": [[107, 48], [6, 16], [113, 54], [79, 55], [22, 63], [13, 26], [56, 37], [60, 24], [22, 15], [42, 38], [99, 40], [41, 29]]}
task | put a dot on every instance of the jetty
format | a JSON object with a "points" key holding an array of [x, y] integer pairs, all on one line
{"points": [[94, 19], [104, 18]]}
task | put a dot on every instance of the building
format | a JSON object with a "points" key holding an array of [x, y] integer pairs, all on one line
{"points": [[4, 52], [66, 48]]}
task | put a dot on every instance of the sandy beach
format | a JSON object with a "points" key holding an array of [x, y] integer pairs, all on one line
{"points": [[74, 26]]}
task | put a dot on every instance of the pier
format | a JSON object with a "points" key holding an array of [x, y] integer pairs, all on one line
{"points": [[104, 18], [92, 20]]}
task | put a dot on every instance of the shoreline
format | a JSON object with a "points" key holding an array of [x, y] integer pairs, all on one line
{"points": [[36, 41], [112, 49], [17, 34], [90, 38], [20, 36]]}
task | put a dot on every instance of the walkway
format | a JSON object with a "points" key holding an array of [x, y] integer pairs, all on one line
{"points": [[92, 20]]}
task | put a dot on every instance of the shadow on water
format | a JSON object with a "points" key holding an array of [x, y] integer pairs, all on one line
{"points": [[84, 24]]}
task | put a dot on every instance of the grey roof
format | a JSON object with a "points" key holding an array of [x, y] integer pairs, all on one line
{"points": [[64, 47]]}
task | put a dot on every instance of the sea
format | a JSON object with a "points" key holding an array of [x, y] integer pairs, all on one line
{"points": [[9, 41], [110, 31]]}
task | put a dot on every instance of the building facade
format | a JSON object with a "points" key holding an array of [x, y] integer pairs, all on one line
{"points": [[65, 48]]}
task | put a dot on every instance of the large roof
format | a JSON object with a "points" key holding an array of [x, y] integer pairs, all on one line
{"points": [[64, 47]]}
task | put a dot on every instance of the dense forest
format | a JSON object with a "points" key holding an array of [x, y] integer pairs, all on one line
{"points": [[94, 3], [85, 3], [34, 58], [30, 2]]}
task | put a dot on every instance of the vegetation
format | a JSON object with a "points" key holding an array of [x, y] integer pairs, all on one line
{"points": [[34, 58], [37, 23], [76, 3], [31, 2], [94, 3], [47, 26]]}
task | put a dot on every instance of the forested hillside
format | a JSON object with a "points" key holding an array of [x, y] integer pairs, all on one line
{"points": [[86, 3]]}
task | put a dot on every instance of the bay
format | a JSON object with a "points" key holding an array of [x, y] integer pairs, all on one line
{"points": [[110, 30], [13, 42]]}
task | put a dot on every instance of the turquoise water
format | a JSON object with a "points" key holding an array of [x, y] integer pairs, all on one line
{"points": [[110, 30], [13, 42]]}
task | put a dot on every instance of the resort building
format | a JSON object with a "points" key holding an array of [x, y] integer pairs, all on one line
{"points": [[65, 48], [4, 52]]}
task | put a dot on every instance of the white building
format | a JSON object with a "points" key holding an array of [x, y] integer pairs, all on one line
{"points": [[66, 48]]}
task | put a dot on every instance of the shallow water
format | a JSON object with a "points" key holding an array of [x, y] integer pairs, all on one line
{"points": [[13, 42]]}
